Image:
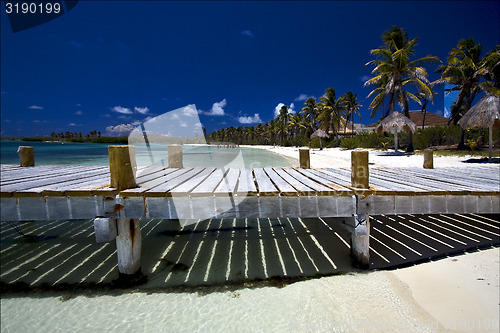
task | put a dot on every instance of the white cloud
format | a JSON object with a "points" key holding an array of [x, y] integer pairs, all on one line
{"points": [[303, 97], [248, 33], [142, 110], [120, 129], [35, 107], [79, 112], [72, 124], [277, 109], [121, 109], [190, 111], [217, 108], [250, 120]]}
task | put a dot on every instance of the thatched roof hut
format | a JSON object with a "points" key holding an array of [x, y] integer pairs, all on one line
{"points": [[486, 113], [319, 134], [396, 122]]}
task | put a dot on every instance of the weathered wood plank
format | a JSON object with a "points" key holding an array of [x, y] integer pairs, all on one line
{"points": [[37, 183], [265, 186], [228, 185], [203, 184], [300, 187], [284, 187], [322, 179], [320, 189], [197, 181], [246, 183]]}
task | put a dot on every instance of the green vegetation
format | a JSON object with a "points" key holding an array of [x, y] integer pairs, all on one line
{"points": [[397, 78]]}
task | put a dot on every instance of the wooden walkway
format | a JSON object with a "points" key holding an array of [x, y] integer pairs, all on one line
{"points": [[83, 192]]}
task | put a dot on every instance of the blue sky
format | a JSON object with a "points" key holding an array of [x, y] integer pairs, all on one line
{"points": [[106, 65]]}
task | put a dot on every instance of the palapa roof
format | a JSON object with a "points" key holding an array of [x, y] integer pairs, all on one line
{"points": [[396, 120], [319, 134], [484, 114]]}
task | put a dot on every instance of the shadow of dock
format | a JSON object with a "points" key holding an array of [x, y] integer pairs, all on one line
{"points": [[62, 256]]}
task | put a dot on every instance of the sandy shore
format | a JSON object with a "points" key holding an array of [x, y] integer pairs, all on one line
{"points": [[455, 294], [341, 158]]}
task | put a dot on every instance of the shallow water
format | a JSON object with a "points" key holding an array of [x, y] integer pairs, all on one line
{"points": [[59, 153]]}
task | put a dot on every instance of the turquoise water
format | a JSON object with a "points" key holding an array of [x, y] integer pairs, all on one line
{"points": [[58, 153]]}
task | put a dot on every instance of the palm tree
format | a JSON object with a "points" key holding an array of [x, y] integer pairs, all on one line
{"points": [[394, 72], [330, 112], [351, 105], [490, 70], [463, 71], [424, 100], [310, 110], [283, 118]]}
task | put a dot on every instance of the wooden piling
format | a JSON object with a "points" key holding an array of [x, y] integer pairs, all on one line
{"points": [[122, 167], [428, 159], [304, 158], [360, 243], [128, 246], [174, 156], [26, 156], [359, 169]]}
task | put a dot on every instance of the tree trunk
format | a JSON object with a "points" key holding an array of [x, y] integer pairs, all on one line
{"points": [[410, 148], [461, 142]]}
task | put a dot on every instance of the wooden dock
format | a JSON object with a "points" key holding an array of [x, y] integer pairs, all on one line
{"points": [[118, 196], [79, 192]]}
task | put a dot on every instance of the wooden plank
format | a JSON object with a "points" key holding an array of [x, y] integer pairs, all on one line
{"points": [[264, 184], [37, 183], [284, 187], [300, 187], [322, 179], [246, 183], [464, 181], [388, 186], [164, 188], [34, 173], [400, 176], [155, 180], [320, 189], [228, 185], [203, 184]]}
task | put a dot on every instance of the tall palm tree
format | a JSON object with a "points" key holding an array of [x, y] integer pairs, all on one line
{"points": [[463, 71], [283, 118], [310, 110], [490, 70], [351, 105], [395, 72], [330, 112]]}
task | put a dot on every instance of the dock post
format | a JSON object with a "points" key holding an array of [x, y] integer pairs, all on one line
{"points": [[128, 246], [26, 156], [360, 173], [122, 168], [304, 158], [360, 228], [174, 156], [428, 159]]}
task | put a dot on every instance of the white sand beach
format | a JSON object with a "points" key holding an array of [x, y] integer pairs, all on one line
{"points": [[455, 294], [341, 158]]}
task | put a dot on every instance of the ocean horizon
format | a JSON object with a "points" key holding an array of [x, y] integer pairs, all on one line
{"points": [[70, 153]]}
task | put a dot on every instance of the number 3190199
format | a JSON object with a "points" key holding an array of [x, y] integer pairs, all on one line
{"points": [[32, 8]]}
